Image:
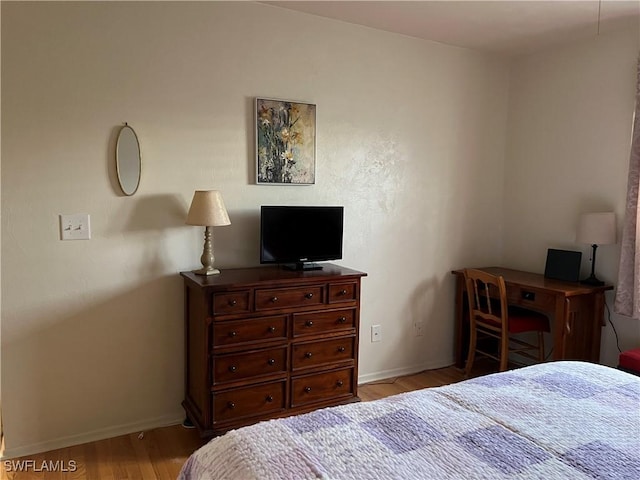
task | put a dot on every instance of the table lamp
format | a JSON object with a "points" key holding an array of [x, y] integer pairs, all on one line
{"points": [[596, 229], [207, 210]]}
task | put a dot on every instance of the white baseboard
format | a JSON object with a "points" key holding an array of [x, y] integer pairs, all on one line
{"points": [[399, 372], [167, 420], [93, 436]]}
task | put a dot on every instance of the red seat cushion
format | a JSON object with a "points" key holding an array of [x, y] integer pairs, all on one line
{"points": [[522, 320], [630, 360]]}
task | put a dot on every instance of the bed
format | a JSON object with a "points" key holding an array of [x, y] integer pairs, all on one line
{"points": [[558, 420]]}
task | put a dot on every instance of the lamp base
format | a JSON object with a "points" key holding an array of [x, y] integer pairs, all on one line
{"points": [[207, 271], [207, 259], [592, 281]]}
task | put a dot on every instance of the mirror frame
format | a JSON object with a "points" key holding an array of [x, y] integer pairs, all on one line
{"points": [[121, 160]]}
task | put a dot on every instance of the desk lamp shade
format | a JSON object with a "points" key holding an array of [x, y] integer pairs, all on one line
{"points": [[596, 229], [207, 210]]}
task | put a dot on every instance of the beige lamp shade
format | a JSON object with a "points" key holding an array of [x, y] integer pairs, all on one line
{"points": [[597, 228], [207, 209]]}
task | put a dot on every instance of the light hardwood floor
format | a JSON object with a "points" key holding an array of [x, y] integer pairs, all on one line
{"points": [[160, 453]]}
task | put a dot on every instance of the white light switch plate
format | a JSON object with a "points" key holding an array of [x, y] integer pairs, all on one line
{"points": [[75, 227]]}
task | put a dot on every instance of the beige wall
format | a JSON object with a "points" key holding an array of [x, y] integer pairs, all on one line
{"points": [[410, 139], [570, 118]]}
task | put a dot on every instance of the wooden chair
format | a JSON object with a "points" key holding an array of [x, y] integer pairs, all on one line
{"points": [[491, 316]]}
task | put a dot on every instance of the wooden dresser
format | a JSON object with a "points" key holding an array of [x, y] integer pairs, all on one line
{"points": [[266, 342]]}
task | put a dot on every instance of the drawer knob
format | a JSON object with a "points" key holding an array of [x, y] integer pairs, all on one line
{"points": [[274, 299], [307, 389], [342, 319], [531, 296], [232, 334], [309, 295], [309, 323], [232, 368], [233, 303], [231, 405], [271, 329], [269, 398], [343, 292], [308, 355], [271, 361], [339, 383], [341, 349]]}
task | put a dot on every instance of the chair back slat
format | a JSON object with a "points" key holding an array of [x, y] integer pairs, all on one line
{"points": [[487, 297]]}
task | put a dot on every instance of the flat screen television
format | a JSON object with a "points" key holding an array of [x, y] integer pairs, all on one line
{"points": [[298, 236]]}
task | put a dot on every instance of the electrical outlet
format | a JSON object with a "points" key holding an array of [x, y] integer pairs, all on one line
{"points": [[376, 333], [419, 328], [75, 227]]}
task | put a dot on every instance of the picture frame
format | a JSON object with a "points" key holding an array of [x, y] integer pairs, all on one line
{"points": [[285, 142]]}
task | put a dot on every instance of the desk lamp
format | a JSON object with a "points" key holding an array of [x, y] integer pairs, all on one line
{"points": [[207, 210], [596, 229]]}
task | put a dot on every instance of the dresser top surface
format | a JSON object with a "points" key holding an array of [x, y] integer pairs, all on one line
{"points": [[275, 274]]}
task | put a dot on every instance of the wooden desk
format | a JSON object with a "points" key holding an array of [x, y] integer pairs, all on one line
{"points": [[576, 312]]}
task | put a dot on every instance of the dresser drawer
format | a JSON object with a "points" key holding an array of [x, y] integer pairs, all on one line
{"points": [[342, 292], [269, 299], [238, 332], [321, 387], [323, 352], [343, 320], [231, 302], [529, 298], [257, 363], [249, 402]]}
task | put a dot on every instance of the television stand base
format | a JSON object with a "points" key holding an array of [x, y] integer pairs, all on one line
{"points": [[302, 266]]}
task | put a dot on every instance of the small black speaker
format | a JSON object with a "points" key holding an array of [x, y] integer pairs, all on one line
{"points": [[563, 265]]}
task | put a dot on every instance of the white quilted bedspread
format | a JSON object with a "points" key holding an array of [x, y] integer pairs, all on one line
{"points": [[559, 420]]}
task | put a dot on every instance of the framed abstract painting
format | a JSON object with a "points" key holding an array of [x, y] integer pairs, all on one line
{"points": [[285, 142]]}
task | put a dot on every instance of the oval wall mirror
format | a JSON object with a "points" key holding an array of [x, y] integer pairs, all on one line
{"points": [[128, 160]]}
